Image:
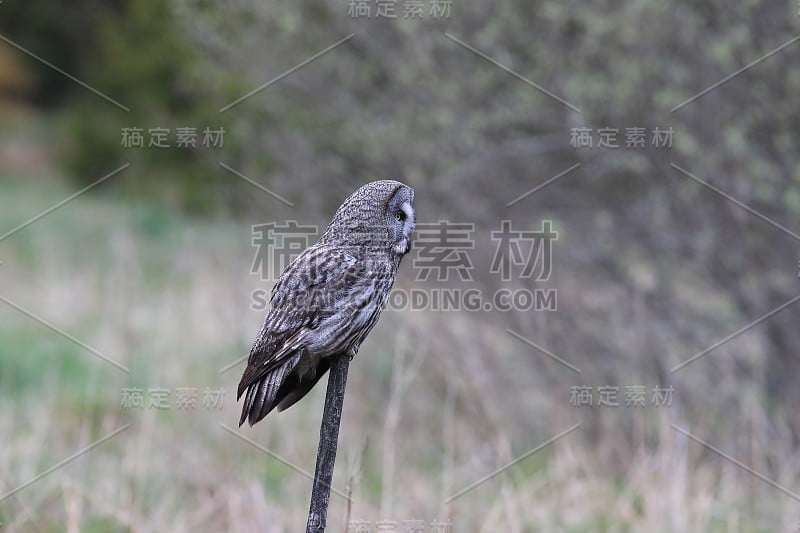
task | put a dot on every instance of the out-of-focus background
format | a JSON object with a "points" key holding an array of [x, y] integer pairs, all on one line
{"points": [[653, 386]]}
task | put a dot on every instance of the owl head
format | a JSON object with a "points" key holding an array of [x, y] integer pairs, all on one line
{"points": [[379, 217]]}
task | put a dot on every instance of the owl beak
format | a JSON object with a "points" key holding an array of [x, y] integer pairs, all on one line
{"points": [[402, 247]]}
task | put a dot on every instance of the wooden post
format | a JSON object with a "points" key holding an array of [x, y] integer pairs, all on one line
{"points": [[328, 441]]}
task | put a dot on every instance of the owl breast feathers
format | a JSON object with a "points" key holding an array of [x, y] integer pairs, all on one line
{"points": [[329, 298]]}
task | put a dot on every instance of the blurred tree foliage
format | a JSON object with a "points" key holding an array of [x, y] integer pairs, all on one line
{"points": [[401, 99], [135, 54]]}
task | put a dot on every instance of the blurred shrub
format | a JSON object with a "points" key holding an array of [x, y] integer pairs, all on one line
{"points": [[135, 54], [145, 63]]}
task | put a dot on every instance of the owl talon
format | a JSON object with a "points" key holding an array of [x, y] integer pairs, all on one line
{"points": [[350, 353]]}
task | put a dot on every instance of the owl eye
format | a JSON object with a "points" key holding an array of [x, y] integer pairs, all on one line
{"points": [[400, 216]]}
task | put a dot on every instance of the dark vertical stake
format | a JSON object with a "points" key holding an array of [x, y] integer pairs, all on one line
{"points": [[328, 440]]}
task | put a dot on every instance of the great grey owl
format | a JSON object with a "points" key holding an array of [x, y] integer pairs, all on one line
{"points": [[329, 298]]}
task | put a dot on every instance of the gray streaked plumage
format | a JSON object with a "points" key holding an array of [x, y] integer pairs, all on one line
{"points": [[329, 298]]}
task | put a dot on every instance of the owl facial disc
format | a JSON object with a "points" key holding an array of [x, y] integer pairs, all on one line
{"points": [[404, 245]]}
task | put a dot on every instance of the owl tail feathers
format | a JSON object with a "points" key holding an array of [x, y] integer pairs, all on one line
{"points": [[294, 394], [263, 395]]}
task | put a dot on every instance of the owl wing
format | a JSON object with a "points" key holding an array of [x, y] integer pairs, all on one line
{"points": [[310, 290]]}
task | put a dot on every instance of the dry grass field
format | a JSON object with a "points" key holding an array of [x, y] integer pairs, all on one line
{"points": [[436, 401]]}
